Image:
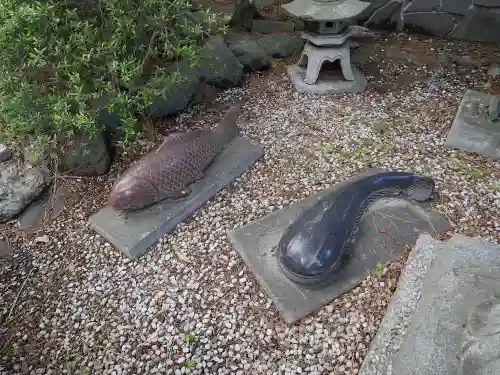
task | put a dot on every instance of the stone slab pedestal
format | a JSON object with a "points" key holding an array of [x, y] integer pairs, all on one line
{"points": [[472, 131], [389, 226], [403, 303], [134, 233], [297, 75], [453, 330]]}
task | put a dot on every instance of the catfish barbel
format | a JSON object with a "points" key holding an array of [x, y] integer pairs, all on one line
{"points": [[315, 246], [167, 172]]}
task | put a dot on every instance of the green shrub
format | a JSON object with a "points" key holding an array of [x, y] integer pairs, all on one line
{"points": [[60, 58]]}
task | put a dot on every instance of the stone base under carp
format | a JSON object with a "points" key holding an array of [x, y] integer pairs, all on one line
{"points": [[385, 230], [135, 232]]}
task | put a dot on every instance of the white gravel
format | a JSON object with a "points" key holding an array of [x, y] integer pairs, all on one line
{"points": [[190, 306]]}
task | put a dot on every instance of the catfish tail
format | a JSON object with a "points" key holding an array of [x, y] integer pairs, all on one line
{"points": [[227, 130], [421, 189]]}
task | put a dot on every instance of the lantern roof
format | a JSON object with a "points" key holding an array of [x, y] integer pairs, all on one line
{"points": [[326, 10]]}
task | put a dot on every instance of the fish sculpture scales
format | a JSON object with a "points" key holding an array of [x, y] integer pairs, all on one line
{"points": [[179, 161], [315, 247]]}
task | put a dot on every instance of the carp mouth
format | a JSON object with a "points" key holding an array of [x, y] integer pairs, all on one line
{"points": [[132, 194]]}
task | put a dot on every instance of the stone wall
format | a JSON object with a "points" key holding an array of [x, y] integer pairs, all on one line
{"points": [[472, 20]]}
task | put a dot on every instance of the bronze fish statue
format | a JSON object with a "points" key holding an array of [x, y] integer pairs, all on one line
{"points": [[179, 161]]}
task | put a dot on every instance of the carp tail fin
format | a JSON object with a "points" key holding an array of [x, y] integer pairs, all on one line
{"points": [[228, 128]]}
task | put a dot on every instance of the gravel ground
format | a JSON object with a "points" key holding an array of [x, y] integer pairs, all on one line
{"points": [[73, 305]]}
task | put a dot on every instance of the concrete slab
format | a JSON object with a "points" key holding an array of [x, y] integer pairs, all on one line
{"points": [[401, 220], [464, 274], [403, 303], [134, 233], [326, 86], [471, 130]]}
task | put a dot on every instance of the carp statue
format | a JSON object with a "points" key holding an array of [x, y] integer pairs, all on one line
{"points": [[167, 172], [315, 247]]}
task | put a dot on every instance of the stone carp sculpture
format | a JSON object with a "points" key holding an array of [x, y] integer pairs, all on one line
{"points": [[315, 247], [168, 171]]}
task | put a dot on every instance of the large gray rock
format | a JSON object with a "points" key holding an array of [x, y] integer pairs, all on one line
{"points": [[459, 19], [477, 26], [472, 130], [480, 354], [248, 52], [5, 153], [245, 11], [18, 188], [374, 5], [422, 6], [384, 13], [219, 66], [86, 156], [256, 243], [175, 93], [281, 45], [403, 303], [436, 23], [456, 6], [460, 281]]}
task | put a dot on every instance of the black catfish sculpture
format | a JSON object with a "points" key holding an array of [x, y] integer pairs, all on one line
{"points": [[316, 246]]}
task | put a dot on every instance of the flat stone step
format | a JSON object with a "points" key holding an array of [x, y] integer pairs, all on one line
{"points": [[464, 276], [472, 130], [401, 307]]}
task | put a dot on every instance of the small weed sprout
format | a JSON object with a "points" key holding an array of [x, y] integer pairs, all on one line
{"points": [[190, 337], [191, 365]]}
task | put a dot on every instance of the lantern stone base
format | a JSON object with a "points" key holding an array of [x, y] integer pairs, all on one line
{"points": [[326, 85]]}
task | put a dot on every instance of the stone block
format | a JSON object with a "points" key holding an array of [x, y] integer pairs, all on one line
{"points": [[479, 354], [477, 26], [435, 23], [471, 130], [384, 13], [461, 7], [464, 274], [400, 219], [401, 307], [134, 233], [248, 52], [324, 85], [422, 6], [272, 26]]}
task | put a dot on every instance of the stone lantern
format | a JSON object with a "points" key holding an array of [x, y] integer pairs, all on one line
{"points": [[326, 33]]}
